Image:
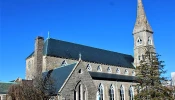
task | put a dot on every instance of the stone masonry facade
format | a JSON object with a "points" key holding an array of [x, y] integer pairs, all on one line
{"points": [[54, 62], [83, 78]]}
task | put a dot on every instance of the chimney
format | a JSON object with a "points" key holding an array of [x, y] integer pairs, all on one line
{"points": [[38, 57]]}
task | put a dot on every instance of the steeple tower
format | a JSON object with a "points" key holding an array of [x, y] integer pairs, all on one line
{"points": [[143, 34]]}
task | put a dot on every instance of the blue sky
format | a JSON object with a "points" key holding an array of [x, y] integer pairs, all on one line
{"points": [[106, 24]]}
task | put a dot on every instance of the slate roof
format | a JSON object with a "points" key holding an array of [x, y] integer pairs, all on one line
{"points": [[58, 48], [63, 49], [115, 77], [59, 75], [5, 86]]}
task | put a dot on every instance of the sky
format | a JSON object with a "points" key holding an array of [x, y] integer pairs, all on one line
{"points": [[105, 24]]}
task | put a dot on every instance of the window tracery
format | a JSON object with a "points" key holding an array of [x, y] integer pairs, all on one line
{"points": [[109, 70], [99, 69]]}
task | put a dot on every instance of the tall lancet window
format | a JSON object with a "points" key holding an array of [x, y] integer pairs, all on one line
{"points": [[100, 93], [122, 93], [111, 92], [131, 93], [80, 92]]}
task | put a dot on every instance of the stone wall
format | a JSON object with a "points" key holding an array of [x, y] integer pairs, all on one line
{"points": [[54, 62], [29, 68], [84, 77]]}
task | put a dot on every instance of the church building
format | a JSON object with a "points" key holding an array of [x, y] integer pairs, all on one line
{"points": [[88, 73]]}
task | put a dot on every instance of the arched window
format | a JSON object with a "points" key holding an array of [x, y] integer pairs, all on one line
{"points": [[109, 70], [112, 92], [118, 71], [64, 63], [100, 93], [139, 41], [149, 41], [133, 73], [126, 72], [89, 68], [122, 93], [131, 93], [80, 92], [99, 69]]}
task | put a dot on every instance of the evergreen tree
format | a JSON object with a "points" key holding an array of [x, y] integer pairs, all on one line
{"points": [[149, 76]]}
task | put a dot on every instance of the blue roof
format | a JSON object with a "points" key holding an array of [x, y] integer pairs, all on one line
{"points": [[59, 75], [63, 49]]}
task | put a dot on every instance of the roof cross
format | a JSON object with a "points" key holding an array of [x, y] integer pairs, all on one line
{"points": [[79, 56], [48, 35]]}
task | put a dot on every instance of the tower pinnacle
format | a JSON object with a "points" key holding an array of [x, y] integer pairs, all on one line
{"points": [[141, 21]]}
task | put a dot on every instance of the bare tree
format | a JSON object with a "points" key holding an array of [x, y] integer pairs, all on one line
{"points": [[37, 89]]}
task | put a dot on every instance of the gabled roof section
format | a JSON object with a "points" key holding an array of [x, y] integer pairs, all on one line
{"points": [[63, 49], [59, 75], [141, 21]]}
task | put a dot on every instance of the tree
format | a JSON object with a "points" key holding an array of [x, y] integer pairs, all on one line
{"points": [[149, 76], [37, 89]]}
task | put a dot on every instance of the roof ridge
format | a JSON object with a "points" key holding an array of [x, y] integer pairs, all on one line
{"points": [[90, 46]]}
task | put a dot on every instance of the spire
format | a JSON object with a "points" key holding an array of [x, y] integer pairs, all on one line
{"points": [[141, 21]]}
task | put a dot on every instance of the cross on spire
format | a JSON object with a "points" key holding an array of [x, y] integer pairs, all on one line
{"points": [[48, 35], [141, 21]]}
